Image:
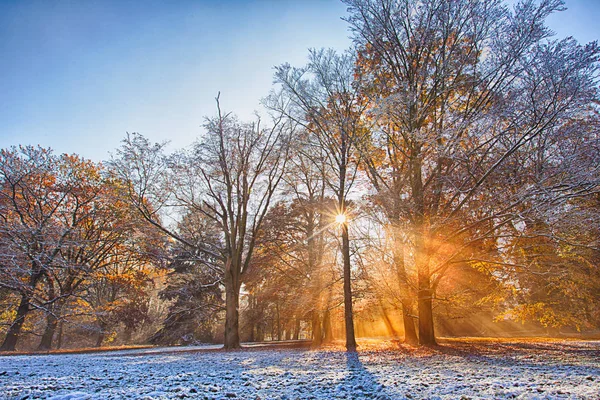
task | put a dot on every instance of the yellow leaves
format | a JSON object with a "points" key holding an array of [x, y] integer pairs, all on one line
{"points": [[7, 317], [541, 312], [111, 337]]}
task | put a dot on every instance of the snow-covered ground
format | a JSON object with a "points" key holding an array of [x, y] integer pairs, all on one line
{"points": [[528, 370]]}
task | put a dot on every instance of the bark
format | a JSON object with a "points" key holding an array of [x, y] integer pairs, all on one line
{"points": [[296, 329], [425, 292], [59, 339], [48, 336], [51, 319], [426, 331], [100, 337], [327, 328], [232, 304], [424, 296], [278, 326], [10, 341], [387, 321], [317, 332], [410, 331], [127, 334], [260, 333], [12, 335], [348, 315]]}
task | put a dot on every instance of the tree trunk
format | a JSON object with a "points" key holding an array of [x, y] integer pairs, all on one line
{"points": [[348, 315], [51, 324], [296, 329], [410, 332], [59, 339], [426, 332], [425, 293], [273, 336], [316, 328], [278, 322], [232, 304], [317, 333], [252, 331], [424, 297], [10, 341], [260, 332], [51, 319], [127, 334], [387, 321], [100, 337], [327, 328]]}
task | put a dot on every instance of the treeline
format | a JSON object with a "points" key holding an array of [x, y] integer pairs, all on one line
{"points": [[442, 175]]}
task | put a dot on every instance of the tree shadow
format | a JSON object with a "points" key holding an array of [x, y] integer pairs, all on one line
{"points": [[359, 383], [525, 354]]}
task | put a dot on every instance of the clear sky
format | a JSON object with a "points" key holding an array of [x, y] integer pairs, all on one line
{"points": [[77, 75]]}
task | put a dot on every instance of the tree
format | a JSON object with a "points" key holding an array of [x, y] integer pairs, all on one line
{"points": [[289, 272], [323, 97], [230, 176], [304, 230], [45, 199], [389, 277], [554, 247], [457, 89], [193, 286], [63, 221]]}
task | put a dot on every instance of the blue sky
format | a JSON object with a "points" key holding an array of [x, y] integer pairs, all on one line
{"points": [[77, 75]]}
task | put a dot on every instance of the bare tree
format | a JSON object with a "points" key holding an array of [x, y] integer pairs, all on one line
{"points": [[230, 175], [305, 184], [324, 98]]}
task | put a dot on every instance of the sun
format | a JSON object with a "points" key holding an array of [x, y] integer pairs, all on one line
{"points": [[340, 218]]}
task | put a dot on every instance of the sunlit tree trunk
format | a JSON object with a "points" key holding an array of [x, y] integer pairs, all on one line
{"points": [[327, 328], [296, 329], [317, 332], [387, 320], [410, 332], [348, 313], [425, 297], [329, 107], [408, 321], [425, 292], [278, 322], [316, 321]]}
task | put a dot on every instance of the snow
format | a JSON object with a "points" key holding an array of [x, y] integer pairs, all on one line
{"points": [[490, 370]]}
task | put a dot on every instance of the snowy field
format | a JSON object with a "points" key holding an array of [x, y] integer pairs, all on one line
{"points": [[455, 370]]}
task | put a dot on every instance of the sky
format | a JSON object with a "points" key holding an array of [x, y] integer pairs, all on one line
{"points": [[77, 75]]}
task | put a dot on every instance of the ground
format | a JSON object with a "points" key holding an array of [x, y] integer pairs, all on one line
{"points": [[385, 370]]}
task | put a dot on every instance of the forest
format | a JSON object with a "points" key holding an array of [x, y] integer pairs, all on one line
{"points": [[441, 178]]}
